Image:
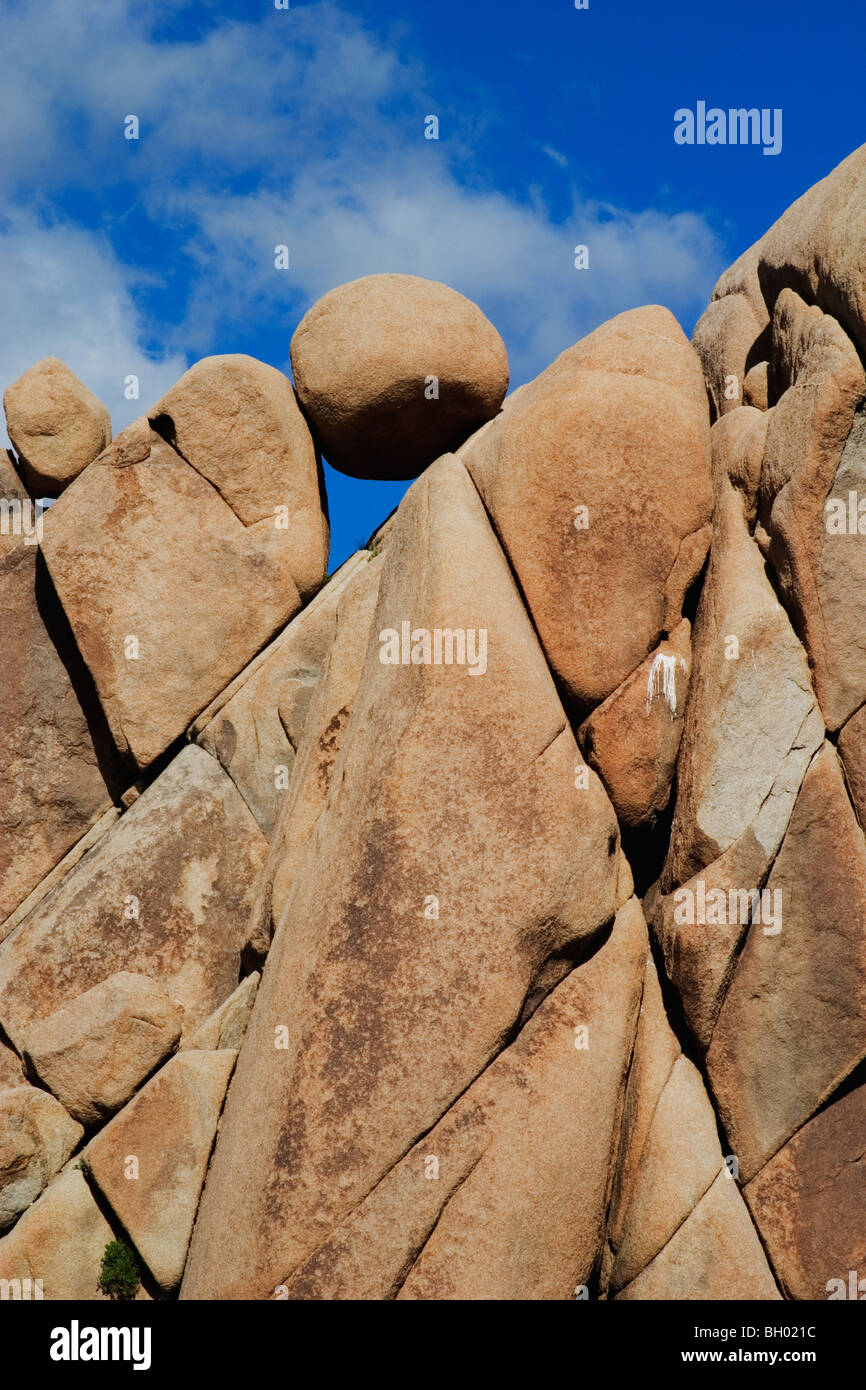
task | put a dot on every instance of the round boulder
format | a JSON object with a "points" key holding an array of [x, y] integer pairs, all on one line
{"points": [[57, 426], [393, 371]]}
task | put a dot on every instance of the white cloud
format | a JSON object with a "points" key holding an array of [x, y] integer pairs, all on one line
{"points": [[513, 260], [64, 294], [299, 128]]}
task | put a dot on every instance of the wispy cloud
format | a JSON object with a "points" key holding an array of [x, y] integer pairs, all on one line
{"points": [[299, 128], [64, 294]]}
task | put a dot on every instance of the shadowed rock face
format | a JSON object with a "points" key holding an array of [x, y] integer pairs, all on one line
{"points": [[58, 769], [357, 981]]}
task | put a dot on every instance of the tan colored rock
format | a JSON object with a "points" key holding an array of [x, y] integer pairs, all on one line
{"points": [[60, 1241], [817, 247], [669, 1159], [715, 1254], [521, 1161], [793, 1024], [751, 724], [654, 1056], [36, 1138], [325, 723], [808, 1204], [756, 387], [633, 737], [93, 1052], [256, 727], [168, 1128], [646, 343], [17, 519], [364, 358], [58, 771], [738, 441], [11, 1069], [618, 425], [56, 425], [680, 1160], [61, 869], [723, 339], [166, 893], [236, 421], [816, 452], [528, 1220], [380, 997], [226, 1026], [852, 751], [138, 550], [742, 278], [700, 955]]}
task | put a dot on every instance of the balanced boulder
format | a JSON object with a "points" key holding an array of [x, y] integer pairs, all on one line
{"points": [[393, 370]]}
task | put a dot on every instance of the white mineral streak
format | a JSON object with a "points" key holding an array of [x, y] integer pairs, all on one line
{"points": [[662, 680]]}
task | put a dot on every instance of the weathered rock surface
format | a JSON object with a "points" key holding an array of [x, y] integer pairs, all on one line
{"points": [[168, 1130], [670, 1160], [236, 421], [93, 1052], [138, 550], [403, 947], [596, 478], [723, 338], [56, 425], [680, 1160], [751, 708], [756, 386], [325, 723], [166, 893], [738, 444], [393, 370], [808, 1203], [752, 725], [852, 750], [380, 886], [815, 453], [716, 1253], [454, 1218], [633, 737], [817, 247], [793, 1024], [226, 1026], [256, 727], [58, 773], [11, 1068], [742, 278], [60, 1240], [16, 517], [36, 1138]]}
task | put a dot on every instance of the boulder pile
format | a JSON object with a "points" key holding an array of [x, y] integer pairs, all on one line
{"points": [[486, 920]]}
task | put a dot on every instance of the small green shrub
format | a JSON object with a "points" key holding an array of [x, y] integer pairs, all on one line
{"points": [[119, 1275]]}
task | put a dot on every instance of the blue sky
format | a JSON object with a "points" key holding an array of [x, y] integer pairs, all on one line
{"points": [[306, 127]]}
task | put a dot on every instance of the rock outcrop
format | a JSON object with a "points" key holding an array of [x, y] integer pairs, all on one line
{"points": [[487, 922]]}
